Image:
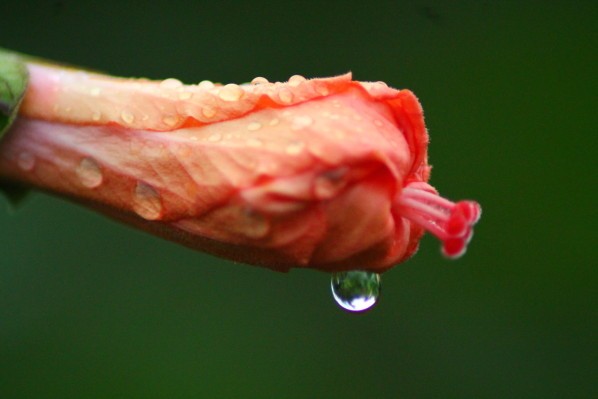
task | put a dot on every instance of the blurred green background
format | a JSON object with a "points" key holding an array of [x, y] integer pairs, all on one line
{"points": [[93, 309]]}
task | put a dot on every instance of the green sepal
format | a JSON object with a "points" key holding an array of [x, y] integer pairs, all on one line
{"points": [[14, 193], [13, 83]]}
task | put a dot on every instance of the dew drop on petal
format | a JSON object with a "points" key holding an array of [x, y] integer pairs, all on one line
{"points": [[253, 142], [322, 90], [170, 120], [295, 147], [185, 95], [206, 85], [296, 80], [208, 111], [171, 83], [214, 137], [95, 91], [251, 224], [231, 92], [329, 183], [96, 115], [89, 173], [356, 290], [274, 122], [259, 81], [253, 126], [147, 202], [127, 116], [285, 96], [300, 122], [26, 161]]}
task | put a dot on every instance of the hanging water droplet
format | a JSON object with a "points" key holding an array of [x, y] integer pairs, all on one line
{"points": [[89, 173], [96, 115], [356, 290]]}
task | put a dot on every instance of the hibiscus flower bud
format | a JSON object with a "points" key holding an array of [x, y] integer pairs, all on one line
{"points": [[329, 174]]}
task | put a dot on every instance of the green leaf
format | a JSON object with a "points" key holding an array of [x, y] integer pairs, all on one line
{"points": [[13, 83]]}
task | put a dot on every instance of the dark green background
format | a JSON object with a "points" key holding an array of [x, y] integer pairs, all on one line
{"points": [[90, 308]]}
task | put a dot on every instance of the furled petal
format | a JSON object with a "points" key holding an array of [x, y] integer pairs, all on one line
{"points": [[307, 173]]}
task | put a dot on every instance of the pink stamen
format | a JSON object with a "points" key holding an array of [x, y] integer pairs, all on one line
{"points": [[451, 222]]}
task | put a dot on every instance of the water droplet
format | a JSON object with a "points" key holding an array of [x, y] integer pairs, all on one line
{"points": [[147, 202], [249, 223], [285, 96], [253, 142], [96, 115], [89, 173], [322, 90], [214, 137], [206, 85], [127, 116], [356, 290], [259, 81], [95, 91], [170, 83], [208, 111], [274, 122], [329, 183], [296, 80], [185, 95], [295, 147], [231, 92], [253, 126], [301, 122], [170, 120], [26, 161]]}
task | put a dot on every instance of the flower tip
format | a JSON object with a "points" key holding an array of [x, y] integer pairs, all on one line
{"points": [[452, 223]]}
